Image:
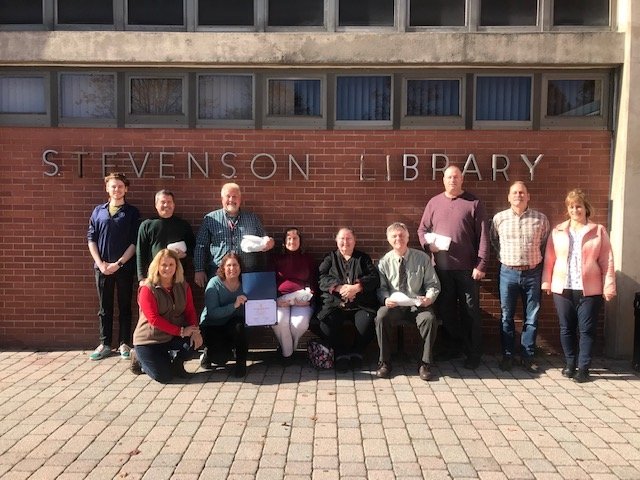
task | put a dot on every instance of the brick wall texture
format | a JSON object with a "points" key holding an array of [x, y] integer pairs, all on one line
{"points": [[48, 295]]}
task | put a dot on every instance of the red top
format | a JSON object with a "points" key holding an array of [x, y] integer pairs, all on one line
{"points": [[149, 307], [295, 271]]}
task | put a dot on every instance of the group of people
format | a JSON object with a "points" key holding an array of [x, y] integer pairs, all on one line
{"points": [[432, 286]]}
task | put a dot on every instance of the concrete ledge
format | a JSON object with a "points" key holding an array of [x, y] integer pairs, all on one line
{"points": [[308, 49]]}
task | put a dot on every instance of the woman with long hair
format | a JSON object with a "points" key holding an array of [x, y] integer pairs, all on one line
{"points": [[167, 329]]}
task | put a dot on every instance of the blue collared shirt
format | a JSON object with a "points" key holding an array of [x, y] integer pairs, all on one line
{"points": [[113, 235]]}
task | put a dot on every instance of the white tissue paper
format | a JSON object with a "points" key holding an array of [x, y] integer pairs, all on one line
{"points": [[253, 243], [440, 241], [299, 295], [404, 301], [180, 247]]}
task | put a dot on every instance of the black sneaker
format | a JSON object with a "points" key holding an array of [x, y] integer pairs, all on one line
{"points": [[582, 376], [505, 364], [343, 363], [569, 371], [205, 361], [355, 361], [530, 365], [220, 357], [177, 368]]}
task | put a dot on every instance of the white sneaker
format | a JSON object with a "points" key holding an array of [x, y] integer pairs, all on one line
{"points": [[125, 351], [102, 351]]}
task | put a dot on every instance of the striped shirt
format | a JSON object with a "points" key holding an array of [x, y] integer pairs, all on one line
{"points": [[220, 234], [519, 240]]}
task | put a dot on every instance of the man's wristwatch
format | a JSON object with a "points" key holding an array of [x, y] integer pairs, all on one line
{"points": [[120, 264]]}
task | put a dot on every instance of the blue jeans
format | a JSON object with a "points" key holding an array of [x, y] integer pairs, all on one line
{"points": [[156, 359], [525, 285], [577, 313]]}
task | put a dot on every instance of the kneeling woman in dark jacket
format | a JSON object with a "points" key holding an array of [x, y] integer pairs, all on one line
{"points": [[167, 322]]}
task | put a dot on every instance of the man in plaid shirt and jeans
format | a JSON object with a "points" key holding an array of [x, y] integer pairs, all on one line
{"points": [[519, 235]]}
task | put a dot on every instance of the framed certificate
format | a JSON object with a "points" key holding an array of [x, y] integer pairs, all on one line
{"points": [[260, 312]]}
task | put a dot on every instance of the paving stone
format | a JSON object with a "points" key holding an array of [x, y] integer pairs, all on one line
{"points": [[64, 417]]}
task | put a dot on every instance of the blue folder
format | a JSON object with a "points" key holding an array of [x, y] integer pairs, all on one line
{"points": [[259, 285]]}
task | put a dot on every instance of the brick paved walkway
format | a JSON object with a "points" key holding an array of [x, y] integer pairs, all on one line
{"points": [[64, 417]]}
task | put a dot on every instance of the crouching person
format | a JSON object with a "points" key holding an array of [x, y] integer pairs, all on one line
{"points": [[167, 329], [408, 287]]}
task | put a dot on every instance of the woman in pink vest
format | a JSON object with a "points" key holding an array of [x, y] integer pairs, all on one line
{"points": [[578, 270]]}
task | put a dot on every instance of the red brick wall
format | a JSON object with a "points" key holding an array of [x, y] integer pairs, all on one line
{"points": [[48, 296]]}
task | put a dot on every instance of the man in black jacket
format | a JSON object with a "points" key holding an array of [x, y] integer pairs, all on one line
{"points": [[348, 281]]}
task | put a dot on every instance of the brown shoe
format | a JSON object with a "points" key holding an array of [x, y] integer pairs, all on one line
{"points": [[425, 372], [384, 370]]}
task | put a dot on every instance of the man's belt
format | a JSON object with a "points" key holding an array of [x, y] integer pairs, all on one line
{"points": [[521, 268]]}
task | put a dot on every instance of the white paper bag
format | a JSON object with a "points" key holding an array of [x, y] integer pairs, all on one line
{"points": [[299, 295], [253, 243], [179, 247]]}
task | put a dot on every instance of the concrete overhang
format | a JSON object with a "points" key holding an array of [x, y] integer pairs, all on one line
{"points": [[310, 49]]}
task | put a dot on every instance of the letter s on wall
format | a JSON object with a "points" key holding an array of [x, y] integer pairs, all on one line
{"points": [[55, 168]]}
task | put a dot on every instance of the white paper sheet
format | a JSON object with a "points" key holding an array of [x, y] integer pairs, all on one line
{"points": [[440, 241]]}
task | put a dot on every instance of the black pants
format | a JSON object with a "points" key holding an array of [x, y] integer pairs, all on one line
{"points": [[122, 282], [220, 339], [331, 330], [458, 306]]}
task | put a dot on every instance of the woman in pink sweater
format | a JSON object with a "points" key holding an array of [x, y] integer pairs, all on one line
{"points": [[578, 270]]}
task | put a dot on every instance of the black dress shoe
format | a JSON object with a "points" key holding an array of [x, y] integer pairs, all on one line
{"points": [[505, 364], [582, 376], [240, 370], [384, 370], [530, 365], [471, 363], [568, 371], [425, 372]]}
